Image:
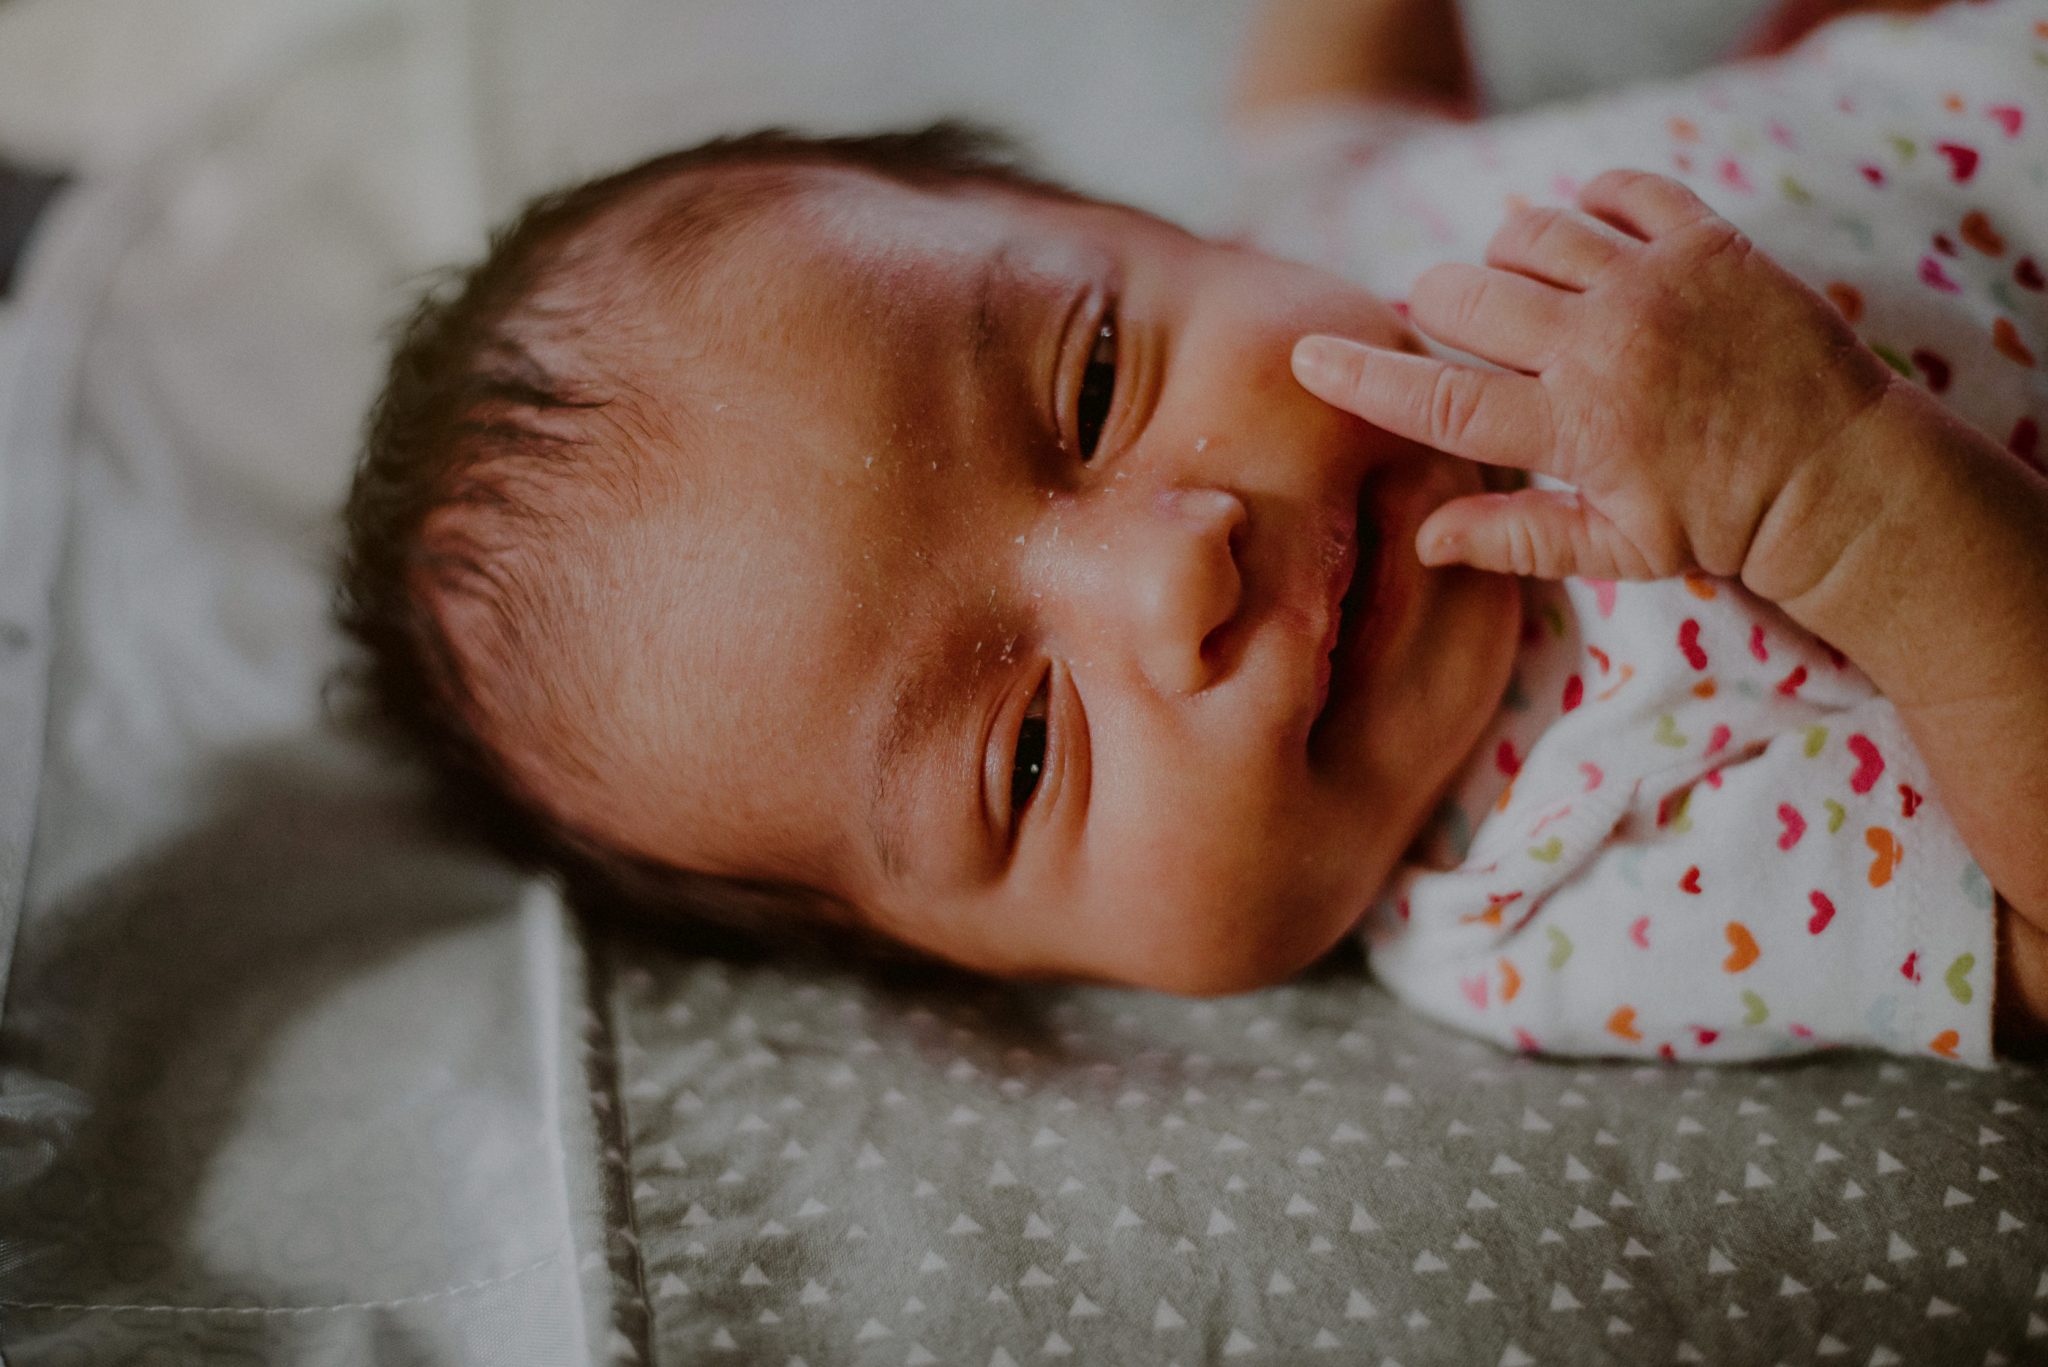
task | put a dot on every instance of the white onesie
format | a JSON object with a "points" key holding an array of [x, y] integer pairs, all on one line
{"points": [[1694, 831]]}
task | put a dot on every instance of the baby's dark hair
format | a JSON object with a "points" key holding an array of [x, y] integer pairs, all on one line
{"points": [[474, 416]]}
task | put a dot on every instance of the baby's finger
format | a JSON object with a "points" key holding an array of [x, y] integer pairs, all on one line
{"points": [[1557, 246], [1546, 533], [1508, 319], [1487, 416], [1642, 202]]}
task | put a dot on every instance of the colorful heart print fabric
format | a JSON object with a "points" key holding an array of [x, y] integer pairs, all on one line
{"points": [[1694, 831]]}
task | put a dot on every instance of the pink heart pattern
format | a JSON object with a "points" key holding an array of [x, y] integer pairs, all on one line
{"points": [[1962, 160]]}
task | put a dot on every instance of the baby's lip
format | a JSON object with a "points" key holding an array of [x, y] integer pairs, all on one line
{"points": [[1341, 554], [1340, 670]]}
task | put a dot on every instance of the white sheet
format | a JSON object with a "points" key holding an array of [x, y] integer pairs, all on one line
{"points": [[283, 1077]]}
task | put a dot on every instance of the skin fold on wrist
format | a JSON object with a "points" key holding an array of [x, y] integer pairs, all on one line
{"points": [[1830, 501]]}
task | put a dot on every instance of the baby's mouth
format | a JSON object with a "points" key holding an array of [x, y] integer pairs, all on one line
{"points": [[1354, 607]]}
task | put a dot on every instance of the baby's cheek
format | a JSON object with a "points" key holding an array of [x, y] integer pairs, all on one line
{"points": [[1219, 937]]}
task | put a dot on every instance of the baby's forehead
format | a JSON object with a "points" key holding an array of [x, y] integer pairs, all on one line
{"points": [[762, 420], [832, 326], [842, 254]]}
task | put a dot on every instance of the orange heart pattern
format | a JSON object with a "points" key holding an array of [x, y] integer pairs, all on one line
{"points": [[1976, 230], [1884, 847], [2006, 338], [1742, 950]]}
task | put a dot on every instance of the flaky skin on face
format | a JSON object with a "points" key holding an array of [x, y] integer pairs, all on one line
{"points": [[933, 486], [887, 533]]}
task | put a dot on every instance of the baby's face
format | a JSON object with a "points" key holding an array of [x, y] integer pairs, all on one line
{"points": [[995, 587]]}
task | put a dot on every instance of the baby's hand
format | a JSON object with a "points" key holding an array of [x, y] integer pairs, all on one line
{"points": [[1668, 370]]}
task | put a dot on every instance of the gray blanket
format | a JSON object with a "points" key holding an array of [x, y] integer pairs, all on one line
{"points": [[853, 1170]]}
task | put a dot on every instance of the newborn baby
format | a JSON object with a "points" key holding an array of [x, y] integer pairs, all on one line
{"points": [[865, 536]]}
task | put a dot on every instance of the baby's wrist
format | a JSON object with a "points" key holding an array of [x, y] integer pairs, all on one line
{"points": [[1872, 543], [1843, 492]]}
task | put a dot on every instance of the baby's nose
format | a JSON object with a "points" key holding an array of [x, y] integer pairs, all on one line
{"points": [[1183, 584]]}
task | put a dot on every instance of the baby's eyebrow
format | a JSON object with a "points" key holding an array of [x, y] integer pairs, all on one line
{"points": [[985, 290], [930, 691], [999, 274]]}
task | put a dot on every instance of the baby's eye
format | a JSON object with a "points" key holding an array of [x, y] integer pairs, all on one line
{"points": [[1098, 387], [1029, 762]]}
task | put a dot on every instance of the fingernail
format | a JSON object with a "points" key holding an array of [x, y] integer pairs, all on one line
{"points": [[1318, 358]]}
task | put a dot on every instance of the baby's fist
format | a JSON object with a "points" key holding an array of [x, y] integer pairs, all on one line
{"points": [[1653, 358]]}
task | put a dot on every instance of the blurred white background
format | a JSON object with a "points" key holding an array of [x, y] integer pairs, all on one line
{"points": [[1124, 96]]}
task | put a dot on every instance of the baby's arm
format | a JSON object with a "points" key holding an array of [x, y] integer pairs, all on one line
{"points": [[1920, 549], [1304, 51], [1713, 413]]}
